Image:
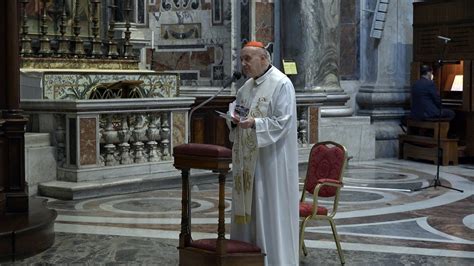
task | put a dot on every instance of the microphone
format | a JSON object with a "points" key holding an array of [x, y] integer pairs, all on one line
{"points": [[446, 39], [235, 76]]}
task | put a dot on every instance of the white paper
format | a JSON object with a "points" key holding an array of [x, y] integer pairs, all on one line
{"points": [[224, 115], [230, 115], [232, 109]]}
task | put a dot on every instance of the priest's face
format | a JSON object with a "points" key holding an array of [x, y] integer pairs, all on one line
{"points": [[253, 60]]}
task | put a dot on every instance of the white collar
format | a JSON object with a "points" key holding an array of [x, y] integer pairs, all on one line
{"points": [[263, 77]]}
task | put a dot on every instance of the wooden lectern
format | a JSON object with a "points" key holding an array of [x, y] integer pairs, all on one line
{"points": [[205, 252]]}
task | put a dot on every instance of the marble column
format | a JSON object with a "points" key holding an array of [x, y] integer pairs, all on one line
{"points": [[311, 38], [385, 73]]}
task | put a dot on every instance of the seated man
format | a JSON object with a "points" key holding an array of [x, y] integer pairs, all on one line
{"points": [[425, 100]]}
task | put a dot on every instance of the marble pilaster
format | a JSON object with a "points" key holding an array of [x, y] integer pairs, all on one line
{"points": [[179, 128], [385, 68]]}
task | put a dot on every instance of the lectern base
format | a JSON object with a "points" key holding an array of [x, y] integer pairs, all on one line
{"points": [[190, 256]]}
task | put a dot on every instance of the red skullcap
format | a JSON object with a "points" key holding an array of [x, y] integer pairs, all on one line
{"points": [[254, 44]]}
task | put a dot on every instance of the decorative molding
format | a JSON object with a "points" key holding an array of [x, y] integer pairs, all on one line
{"points": [[180, 31], [78, 86], [180, 5]]}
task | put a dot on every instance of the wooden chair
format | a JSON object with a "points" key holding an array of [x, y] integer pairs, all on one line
{"points": [[220, 251], [326, 164]]}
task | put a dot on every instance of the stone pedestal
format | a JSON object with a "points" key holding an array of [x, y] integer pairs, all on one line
{"points": [[355, 133], [40, 160], [385, 106]]}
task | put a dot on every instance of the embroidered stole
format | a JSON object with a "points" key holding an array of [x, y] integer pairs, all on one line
{"points": [[245, 150]]}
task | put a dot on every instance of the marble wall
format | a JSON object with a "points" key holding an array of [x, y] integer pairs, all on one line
{"points": [[191, 38], [311, 38]]}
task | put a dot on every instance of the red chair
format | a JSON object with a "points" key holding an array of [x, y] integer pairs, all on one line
{"points": [[326, 164]]}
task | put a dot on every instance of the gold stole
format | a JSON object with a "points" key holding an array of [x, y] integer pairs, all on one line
{"points": [[245, 152]]}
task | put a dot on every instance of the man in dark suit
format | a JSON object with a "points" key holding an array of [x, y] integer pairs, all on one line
{"points": [[425, 100]]}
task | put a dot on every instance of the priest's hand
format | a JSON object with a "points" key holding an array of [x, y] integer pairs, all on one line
{"points": [[236, 118], [247, 123]]}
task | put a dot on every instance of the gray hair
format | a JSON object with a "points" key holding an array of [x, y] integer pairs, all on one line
{"points": [[268, 56]]}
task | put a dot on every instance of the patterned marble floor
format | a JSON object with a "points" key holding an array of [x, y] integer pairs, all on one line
{"points": [[384, 226]]}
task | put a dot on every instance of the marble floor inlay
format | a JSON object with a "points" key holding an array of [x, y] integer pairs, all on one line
{"points": [[379, 221]]}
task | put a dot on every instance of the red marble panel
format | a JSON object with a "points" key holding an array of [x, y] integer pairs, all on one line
{"points": [[87, 141], [148, 55], [264, 22], [348, 11], [313, 124], [349, 43], [155, 7], [348, 59], [206, 5]]}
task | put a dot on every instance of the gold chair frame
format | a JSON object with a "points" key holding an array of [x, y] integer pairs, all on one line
{"points": [[330, 216]]}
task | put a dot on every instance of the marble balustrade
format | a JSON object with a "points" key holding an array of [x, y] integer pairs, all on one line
{"points": [[97, 139]]}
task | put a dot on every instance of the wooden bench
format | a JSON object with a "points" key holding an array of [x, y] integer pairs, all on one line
{"points": [[428, 128], [421, 142]]}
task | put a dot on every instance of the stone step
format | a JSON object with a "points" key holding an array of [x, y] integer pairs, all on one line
{"points": [[106, 187], [66, 190]]}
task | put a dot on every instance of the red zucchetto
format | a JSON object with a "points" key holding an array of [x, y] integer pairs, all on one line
{"points": [[254, 44]]}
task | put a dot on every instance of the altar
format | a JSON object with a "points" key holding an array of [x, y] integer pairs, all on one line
{"points": [[105, 139]]}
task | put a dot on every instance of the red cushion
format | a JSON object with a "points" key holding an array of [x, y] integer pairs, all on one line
{"points": [[207, 150], [307, 207], [232, 246], [324, 163]]}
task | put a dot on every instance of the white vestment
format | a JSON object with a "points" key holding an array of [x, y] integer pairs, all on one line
{"points": [[274, 218]]}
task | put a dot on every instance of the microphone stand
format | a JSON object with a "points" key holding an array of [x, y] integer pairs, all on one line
{"points": [[234, 77], [436, 181]]}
